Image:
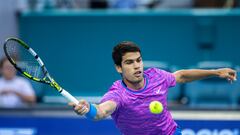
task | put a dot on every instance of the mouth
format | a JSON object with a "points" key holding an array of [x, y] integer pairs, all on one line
{"points": [[138, 73]]}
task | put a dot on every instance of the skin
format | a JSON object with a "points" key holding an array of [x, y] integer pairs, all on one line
{"points": [[9, 73], [132, 74], [132, 70]]}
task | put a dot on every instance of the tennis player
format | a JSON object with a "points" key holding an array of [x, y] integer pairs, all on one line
{"points": [[127, 100]]}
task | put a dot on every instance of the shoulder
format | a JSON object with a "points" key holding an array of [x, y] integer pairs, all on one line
{"points": [[114, 93], [160, 76], [154, 71], [115, 90], [116, 85], [21, 80]]}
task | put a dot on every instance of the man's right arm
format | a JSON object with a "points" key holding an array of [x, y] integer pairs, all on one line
{"points": [[103, 110]]}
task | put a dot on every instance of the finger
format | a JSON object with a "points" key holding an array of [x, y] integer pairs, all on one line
{"points": [[234, 75], [79, 108], [71, 104], [82, 108], [83, 111], [83, 102], [229, 80], [80, 112]]}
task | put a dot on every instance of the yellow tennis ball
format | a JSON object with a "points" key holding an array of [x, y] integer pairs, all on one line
{"points": [[156, 107]]}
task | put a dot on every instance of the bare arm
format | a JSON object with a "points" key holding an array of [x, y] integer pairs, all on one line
{"points": [[26, 98], [183, 76], [103, 110]]}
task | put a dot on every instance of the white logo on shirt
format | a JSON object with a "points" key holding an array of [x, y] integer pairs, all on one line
{"points": [[159, 92]]}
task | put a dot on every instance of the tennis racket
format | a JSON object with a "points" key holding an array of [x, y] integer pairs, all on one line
{"points": [[30, 65]]}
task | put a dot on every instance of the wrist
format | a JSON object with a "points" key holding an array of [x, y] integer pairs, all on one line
{"points": [[92, 113], [216, 72]]}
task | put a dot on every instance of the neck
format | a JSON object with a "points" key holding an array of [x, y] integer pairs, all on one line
{"points": [[135, 86]]}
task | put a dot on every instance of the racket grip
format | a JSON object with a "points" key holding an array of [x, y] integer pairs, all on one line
{"points": [[69, 97]]}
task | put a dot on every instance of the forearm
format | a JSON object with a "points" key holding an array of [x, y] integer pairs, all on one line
{"points": [[183, 76], [93, 111], [29, 99], [103, 110], [101, 113]]}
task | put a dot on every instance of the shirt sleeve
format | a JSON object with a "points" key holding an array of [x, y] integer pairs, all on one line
{"points": [[112, 95], [170, 79]]}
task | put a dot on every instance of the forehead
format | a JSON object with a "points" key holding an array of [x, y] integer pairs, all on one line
{"points": [[131, 56]]}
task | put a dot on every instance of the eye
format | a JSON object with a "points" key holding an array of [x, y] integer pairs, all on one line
{"points": [[128, 62], [139, 60]]}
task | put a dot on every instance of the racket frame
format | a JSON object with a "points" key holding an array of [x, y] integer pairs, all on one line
{"points": [[50, 82]]}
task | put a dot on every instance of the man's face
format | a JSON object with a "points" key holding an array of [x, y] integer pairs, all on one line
{"points": [[132, 67], [8, 71]]}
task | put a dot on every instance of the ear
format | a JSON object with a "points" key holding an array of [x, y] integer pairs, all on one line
{"points": [[119, 69]]}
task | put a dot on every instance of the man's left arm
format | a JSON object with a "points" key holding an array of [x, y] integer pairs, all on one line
{"points": [[183, 76]]}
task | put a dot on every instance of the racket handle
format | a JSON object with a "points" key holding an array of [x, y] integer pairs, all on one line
{"points": [[69, 97]]}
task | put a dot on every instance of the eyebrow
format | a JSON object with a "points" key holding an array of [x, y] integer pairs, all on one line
{"points": [[132, 59]]}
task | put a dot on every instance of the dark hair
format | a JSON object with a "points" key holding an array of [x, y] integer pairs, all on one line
{"points": [[121, 49], [2, 61]]}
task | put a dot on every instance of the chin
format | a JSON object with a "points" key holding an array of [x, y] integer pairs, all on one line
{"points": [[138, 80]]}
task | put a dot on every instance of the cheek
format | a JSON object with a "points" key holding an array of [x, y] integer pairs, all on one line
{"points": [[126, 71], [9, 72], [129, 74], [141, 64]]}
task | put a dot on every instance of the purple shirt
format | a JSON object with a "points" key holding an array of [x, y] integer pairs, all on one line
{"points": [[132, 115]]}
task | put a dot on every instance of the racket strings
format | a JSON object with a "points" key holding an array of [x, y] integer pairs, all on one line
{"points": [[13, 50], [24, 59], [31, 68]]}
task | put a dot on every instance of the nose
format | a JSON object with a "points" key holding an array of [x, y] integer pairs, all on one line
{"points": [[136, 65]]}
